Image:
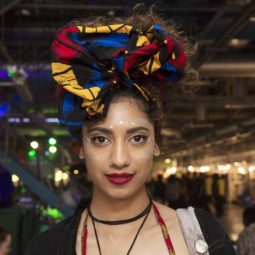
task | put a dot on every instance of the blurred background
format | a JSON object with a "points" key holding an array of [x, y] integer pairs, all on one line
{"points": [[208, 138]]}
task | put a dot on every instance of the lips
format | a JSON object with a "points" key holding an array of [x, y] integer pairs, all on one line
{"points": [[119, 179]]}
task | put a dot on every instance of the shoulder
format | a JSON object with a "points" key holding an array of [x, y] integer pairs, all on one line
{"points": [[208, 221], [49, 242], [210, 226], [170, 217], [168, 214], [248, 231], [214, 233], [246, 239], [62, 236]]}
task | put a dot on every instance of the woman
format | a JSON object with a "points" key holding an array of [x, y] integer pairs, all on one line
{"points": [[115, 77], [5, 242]]}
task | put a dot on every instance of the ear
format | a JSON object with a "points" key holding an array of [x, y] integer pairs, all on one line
{"points": [[82, 153], [156, 151]]}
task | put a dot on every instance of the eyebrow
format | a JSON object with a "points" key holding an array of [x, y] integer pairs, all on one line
{"points": [[108, 131]]}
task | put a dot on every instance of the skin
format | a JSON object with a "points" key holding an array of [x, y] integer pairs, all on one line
{"points": [[124, 142], [5, 246]]}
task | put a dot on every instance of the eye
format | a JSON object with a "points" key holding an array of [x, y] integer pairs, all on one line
{"points": [[137, 139], [100, 140]]}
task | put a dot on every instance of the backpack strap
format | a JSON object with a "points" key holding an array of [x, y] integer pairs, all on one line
{"points": [[192, 232]]}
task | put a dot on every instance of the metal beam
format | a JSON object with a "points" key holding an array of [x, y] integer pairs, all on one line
{"points": [[211, 23], [9, 6], [228, 69], [6, 53], [229, 33], [230, 135]]}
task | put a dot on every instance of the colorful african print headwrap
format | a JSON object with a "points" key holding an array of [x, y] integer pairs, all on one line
{"points": [[87, 62]]}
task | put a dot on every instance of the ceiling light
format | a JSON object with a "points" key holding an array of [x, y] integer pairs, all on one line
{"points": [[191, 169], [15, 178], [237, 43], [25, 12], [110, 13], [53, 149], [204, 169], [167, 160], [34, 145]]}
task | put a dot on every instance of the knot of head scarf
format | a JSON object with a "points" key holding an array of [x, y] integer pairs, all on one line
{"points": [[87, 62]]}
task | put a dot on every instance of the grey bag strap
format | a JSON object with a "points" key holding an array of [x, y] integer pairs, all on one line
{"points": [[192, 232]]}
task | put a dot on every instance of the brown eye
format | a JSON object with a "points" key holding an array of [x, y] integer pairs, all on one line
{"points": [[99, 139], [139, 138]]}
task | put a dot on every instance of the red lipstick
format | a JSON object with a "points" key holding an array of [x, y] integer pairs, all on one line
{"points": [[119, 179]]}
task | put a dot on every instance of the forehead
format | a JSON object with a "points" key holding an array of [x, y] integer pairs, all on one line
{"points": [[124, 112]]}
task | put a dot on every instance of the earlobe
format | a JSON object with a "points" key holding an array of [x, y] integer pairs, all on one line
{"points": [[82, 153], [156, 151]]}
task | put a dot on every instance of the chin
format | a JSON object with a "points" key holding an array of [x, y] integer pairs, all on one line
{"points": [[120, 193]]}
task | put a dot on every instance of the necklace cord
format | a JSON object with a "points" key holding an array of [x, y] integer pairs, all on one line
{"points": [[137, 233], [119, 222], [160, 221], [97, 239], [145, 218]]}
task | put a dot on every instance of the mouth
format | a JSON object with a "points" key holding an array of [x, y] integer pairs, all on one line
{"points": [[120, 179]]}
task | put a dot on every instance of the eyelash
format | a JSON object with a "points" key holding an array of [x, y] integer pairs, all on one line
{"points": [[95, 139], [144, 138]]}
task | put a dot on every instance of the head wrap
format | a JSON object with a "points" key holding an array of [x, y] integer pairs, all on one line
{"points": [[88, 61]]}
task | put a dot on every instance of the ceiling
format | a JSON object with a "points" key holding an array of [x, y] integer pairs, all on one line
{"points": [[205, 120]]}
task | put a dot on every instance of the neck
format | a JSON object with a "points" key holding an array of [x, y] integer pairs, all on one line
{"points": [[108, 208]]}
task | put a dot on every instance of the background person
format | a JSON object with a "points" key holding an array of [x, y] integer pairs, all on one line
{"points": [[246, 240], [5, 242]]}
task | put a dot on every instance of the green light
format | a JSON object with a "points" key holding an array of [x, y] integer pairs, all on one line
{"points": [[11, 74], [52, 141], [53, 213], [31, 153], [53, 149]]}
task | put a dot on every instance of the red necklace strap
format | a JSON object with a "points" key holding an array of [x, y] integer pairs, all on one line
{"points": [[161, 223], [165, 233], [84, 235]]}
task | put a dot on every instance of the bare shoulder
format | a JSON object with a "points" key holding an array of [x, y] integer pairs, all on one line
{"points": [[168, 214], [170, 217]]}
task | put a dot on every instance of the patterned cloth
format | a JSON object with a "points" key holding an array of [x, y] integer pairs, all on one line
{"points": [[246, 241], [87, 62]]}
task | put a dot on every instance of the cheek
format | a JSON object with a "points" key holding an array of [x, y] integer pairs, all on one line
{"points": [[93, 160], [145, 154]]}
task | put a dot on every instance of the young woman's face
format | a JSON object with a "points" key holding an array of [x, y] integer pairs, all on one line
{"points": [[5, 246], [119, 150]]}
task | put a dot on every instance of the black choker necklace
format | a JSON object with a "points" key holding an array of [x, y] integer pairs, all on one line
{"points": [[119, 222]]}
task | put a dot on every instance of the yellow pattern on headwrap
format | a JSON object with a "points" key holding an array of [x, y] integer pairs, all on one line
{"points": [[64, 76], [142, 40], [149, 67], [117, 28]]}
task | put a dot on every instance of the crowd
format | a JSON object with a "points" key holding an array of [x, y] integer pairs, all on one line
{"points": [[196, 189]]}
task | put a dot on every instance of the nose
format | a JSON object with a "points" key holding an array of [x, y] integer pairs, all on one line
{"points": [[119, 156]]}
